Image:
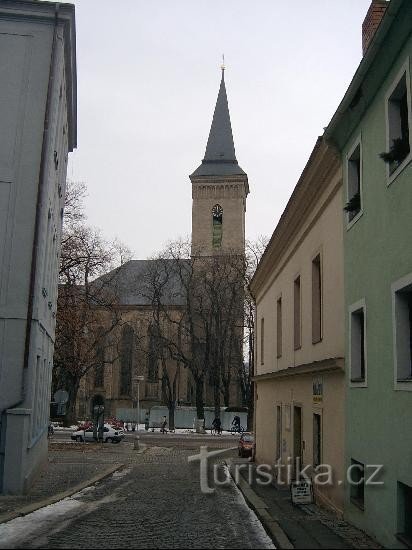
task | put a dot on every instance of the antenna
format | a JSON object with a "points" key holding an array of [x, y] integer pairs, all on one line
{"points": [[223, 67]]}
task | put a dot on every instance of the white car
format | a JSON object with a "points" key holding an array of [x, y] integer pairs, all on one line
{"points": [[110, 434]]}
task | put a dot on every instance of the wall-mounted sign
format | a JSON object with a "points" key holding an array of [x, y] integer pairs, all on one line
{"points": [[317, 391], [301, 492]]}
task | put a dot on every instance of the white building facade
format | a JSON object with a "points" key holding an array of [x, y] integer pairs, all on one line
{"points": [[38, 114]]}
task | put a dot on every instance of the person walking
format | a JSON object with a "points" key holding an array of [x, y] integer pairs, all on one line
{"points": [[164, 424], [217, 425]]}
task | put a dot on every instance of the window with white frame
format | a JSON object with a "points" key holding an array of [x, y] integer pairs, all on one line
{"points": [[397, 109], [402, 311], [354, 195], [357, 344]]}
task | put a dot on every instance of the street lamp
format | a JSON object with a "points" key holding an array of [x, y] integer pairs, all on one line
{"points": [[139, 379]]}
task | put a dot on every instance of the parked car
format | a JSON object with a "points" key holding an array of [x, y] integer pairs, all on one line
{"points": [[110, 434], [246, 444]]}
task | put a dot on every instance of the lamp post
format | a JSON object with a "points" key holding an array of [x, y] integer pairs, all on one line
{"points": [[139, 379]]}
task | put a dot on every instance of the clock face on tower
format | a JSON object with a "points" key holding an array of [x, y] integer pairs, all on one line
{"points": [[217, 212], [217, 215]]}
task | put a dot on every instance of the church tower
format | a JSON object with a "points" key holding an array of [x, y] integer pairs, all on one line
{"points": [[219, 190]]}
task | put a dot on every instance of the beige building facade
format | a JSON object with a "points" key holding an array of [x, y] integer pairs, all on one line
{"points": [[298, 288]]}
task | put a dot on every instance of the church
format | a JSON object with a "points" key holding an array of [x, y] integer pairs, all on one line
{"points": [[130, 378]]}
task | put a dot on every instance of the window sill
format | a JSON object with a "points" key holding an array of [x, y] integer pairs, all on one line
{"points": [[297, 348], [358, 503], [352, 222], [358, 383], [318, 341], [403, 384], [405, 539], [392, 177]]}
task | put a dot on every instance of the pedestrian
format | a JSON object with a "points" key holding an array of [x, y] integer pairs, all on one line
{"points": [[236, 423], [164, 424], [217, 425], [146, 421]]}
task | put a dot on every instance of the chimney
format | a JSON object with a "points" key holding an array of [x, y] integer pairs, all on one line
{"points": [[372, 21]]}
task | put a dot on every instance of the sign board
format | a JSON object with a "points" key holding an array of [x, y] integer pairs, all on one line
{"points": [[301, 492], [317, 390]]}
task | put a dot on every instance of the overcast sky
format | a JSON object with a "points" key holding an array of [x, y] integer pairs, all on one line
{"points": [[148, 78]]}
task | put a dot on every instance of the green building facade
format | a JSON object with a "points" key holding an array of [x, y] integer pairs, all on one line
{"points": [[374, 118]]}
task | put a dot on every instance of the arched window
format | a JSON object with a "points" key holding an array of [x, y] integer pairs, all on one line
{"points": [[217, 220], [152, 356], [99, 369], [126, 360]]}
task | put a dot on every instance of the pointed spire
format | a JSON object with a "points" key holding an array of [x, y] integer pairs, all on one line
{"points": [[220, 156]]}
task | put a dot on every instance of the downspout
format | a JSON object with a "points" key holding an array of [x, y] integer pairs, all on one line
{"points": [[40, 192]]}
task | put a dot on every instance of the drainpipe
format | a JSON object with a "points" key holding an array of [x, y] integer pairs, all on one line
{"points": [[40, 192]]}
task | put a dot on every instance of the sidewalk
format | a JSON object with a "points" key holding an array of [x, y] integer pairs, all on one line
{"points": [[292, 526], [64, 474]]}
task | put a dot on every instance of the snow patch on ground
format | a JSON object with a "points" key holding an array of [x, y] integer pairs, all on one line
{"points": [[121, 473], [263, 537], [17, 530]]}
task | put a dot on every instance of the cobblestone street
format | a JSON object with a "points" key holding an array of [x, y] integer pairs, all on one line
{"points": [[153, 502]]}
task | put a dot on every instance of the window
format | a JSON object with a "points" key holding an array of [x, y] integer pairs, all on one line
{"points": [[99, 369], [152, 356], [126, 360], [279, 327], [402, 313], [405, 514], [262, 341], [317, 440], [278, 432], [217, 218], [357, 344], [316, 300], [297, 314], [357, 483], [397, 125], [354, 205]]}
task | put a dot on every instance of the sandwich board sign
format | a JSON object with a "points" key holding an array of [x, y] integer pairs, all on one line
{"points": [[301, 492]]}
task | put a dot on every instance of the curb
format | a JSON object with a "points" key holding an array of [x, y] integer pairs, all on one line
{"points": [[270, 523], [25, 510]]}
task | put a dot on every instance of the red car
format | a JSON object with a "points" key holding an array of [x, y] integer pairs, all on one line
{"points": [[246, 442]]}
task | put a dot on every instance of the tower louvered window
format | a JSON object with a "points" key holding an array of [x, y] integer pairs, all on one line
{"points": [[217, 215]]}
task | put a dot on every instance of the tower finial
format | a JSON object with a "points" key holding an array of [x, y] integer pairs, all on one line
{"points": [[223, 67]]}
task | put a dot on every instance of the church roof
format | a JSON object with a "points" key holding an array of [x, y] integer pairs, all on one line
{"points": [[131, 282], [220, 156]]}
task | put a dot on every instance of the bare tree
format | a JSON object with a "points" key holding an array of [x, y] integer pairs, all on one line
{"points": [[254, 252], [206, 337], [87, 314]]}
